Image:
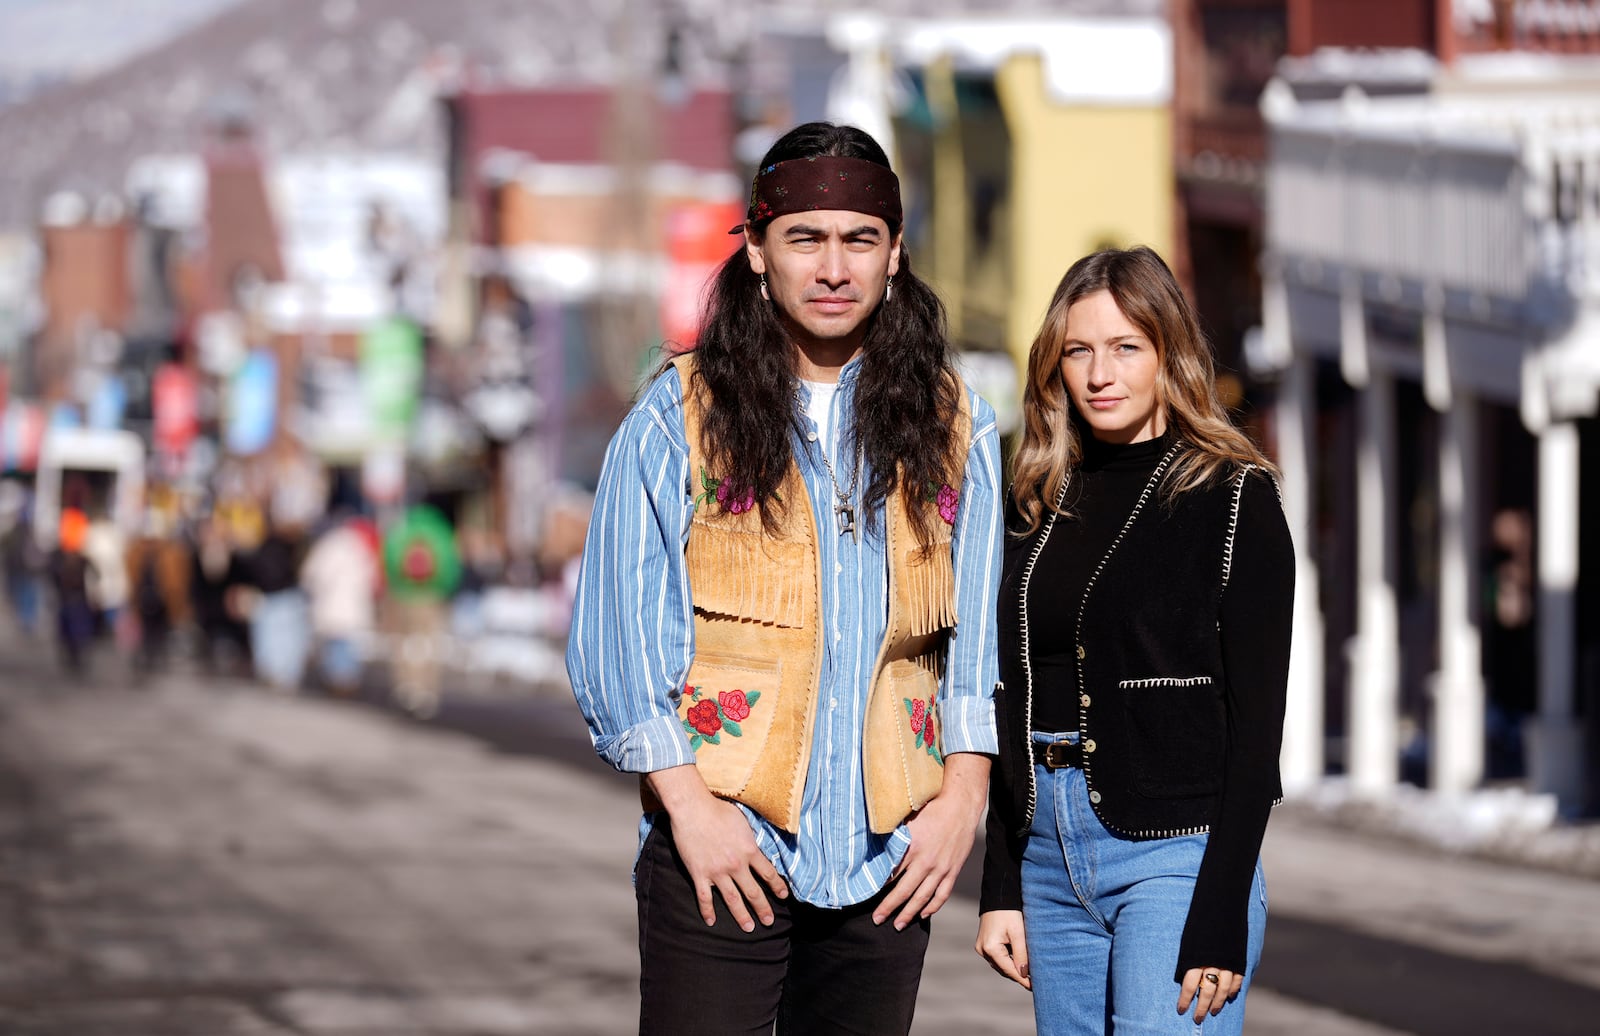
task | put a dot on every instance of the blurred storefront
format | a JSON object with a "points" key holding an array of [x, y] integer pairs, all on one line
{"points": [[585, 222], [1225, 52], [1022, 144], [1432, 312]]}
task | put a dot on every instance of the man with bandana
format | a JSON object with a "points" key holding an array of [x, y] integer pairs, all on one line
{"points": [[784, 620]]}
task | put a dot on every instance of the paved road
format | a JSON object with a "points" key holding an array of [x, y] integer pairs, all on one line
{"points": [[217, 860]]}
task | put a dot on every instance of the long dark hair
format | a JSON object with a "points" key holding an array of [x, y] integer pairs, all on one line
{"points": [[907, 391], [1147, 293]]}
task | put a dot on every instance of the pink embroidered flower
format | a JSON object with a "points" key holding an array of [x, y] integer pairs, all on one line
{"points": [[927, 729], [919, 712], [703, 716], [726, 496], [735, 708], [946, 499]]}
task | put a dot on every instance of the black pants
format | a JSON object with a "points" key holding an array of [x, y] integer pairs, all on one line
{"points": [[814, 971]]}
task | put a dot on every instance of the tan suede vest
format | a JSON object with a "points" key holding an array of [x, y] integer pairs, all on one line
{"points": [[750, 699]]}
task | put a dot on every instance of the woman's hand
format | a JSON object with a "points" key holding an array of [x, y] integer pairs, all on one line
{"points": [[1207, 995], [1002, 942]]}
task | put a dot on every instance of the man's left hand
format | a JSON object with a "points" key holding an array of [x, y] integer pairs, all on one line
{"points": [[942, 833]]}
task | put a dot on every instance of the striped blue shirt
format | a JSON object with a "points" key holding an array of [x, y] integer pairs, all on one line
{"points": [[632, 634]]}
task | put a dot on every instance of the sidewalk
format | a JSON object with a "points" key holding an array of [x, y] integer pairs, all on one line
{"points": [[218, 860]]}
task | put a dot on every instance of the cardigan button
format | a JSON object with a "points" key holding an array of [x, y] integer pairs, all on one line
{"points": [[1080, 652], [1089, 746], [1094, 796], [1083, 699]]}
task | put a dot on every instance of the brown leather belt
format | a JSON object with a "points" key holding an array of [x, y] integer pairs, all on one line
{"points": [[1058, 755]]}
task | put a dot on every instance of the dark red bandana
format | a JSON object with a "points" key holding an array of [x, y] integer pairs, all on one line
{"points": [[809, 184]]}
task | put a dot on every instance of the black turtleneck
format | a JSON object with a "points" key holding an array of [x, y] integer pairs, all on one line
{"points": [[1099, 499]]}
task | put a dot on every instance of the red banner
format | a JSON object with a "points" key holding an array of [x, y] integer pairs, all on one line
{"points": [[174, 396], [697, 241]]}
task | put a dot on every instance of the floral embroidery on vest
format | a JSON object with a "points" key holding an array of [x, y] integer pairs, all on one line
{"points": [[922, 725], [729, 499], [946, 497], [726, 496], [709, 718]]}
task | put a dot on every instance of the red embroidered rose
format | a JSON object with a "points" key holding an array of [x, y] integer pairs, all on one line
{"points": [[739, 505], [918, 714], [946, 499], [703, 716], [734, 706], [928, 730]]}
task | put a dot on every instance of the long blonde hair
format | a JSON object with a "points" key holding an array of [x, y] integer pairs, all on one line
{"points": [[1148, 295]]}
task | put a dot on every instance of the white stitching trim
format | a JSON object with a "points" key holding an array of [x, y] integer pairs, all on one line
{"points": [[1233, 525], [1166, 681], [1027, 667]]}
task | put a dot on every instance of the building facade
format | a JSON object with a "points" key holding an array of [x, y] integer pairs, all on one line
{"points": [[1431, 311]]}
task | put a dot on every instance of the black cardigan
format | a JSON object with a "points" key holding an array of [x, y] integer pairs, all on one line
{"points": [[1183, 634]]}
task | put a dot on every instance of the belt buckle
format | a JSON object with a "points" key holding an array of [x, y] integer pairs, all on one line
{"points": [[1056, 755]]}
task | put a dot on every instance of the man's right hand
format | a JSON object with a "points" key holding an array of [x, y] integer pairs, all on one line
{"points": [[718, 848]]}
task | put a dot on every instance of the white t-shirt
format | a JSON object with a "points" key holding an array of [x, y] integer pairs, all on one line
{"points": [[819, 407]]}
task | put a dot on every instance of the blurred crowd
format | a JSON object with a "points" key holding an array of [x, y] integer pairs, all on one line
{"points": [[402, 601]]}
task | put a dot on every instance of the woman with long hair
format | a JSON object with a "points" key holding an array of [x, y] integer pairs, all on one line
{"points": [[1144, 636]]}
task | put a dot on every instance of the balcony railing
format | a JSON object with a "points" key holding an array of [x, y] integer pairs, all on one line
{"points": [[1494, 199]]}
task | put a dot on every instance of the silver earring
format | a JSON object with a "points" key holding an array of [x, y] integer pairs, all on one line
{"points": [[888, 289], [764, 288]]}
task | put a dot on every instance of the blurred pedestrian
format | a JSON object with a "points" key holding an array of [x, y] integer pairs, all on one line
{"points": [[340, 578], [422, 568], [158, 572], [105, 547], [25, 564], [1144, 621], [280, 626], [789, 525], [69, 578], [217, 578]]}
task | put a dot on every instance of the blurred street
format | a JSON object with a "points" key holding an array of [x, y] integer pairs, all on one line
{"points": [[194, 856], [317, 316]]}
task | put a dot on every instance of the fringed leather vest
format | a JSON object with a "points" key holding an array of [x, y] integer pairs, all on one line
{"points": [[750, 700]]}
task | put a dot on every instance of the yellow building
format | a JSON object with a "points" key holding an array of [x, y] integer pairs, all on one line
{"points": [[1023, 145]]}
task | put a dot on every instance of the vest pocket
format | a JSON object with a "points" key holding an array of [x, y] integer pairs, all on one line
{"points": [[1166, 681], [904, 754], [1175, 724], [727, 709]]}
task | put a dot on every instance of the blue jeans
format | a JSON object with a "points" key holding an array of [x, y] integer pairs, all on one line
{"points": [[339, 661], [280, 638], [1104, 916]]}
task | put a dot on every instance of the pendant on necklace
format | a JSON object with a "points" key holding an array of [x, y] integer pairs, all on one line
{"points": [[847, 521]]}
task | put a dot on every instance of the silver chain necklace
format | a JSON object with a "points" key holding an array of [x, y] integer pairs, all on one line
{"points": [[844, 510]]}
